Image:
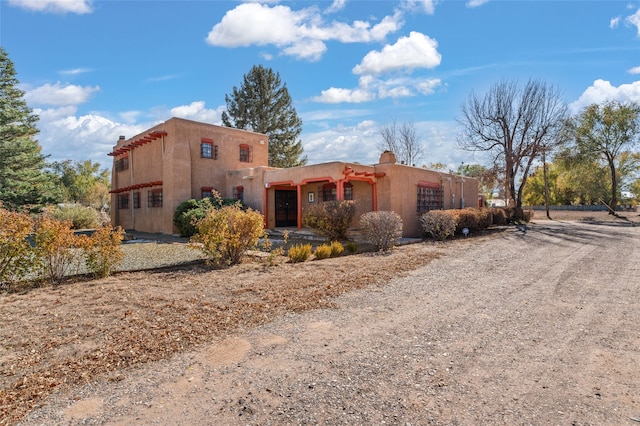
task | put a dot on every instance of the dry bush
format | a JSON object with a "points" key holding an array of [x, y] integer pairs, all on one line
{"points": [[80, 216], [322, 252], [16, 254], [299, 252], [331, 218], [439, 224], [499, 216], [225, 235], [336, 248], [57, 248], [382, 229], [103, 251]]}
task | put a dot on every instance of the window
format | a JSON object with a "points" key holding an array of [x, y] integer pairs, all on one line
{"points": [[348, 191], [136, 200], [122, 164], [206, 192], [238, 193], [329, 192], [154, 198], [430, 197], [208, 149], [245, 154], [123, 201]]}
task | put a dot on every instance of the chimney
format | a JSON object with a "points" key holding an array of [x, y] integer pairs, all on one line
{"points": [[387, 157]]}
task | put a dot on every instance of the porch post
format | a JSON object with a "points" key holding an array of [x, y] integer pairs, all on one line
{"points": [[265, 207], [374, 189], [340, 189], [299, 194]]}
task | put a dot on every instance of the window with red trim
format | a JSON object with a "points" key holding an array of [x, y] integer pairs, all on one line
{"points": [[206, 192], [245, 154], [329, 192], [348, 190], [430, 197], [208, 149], [238, 193]]}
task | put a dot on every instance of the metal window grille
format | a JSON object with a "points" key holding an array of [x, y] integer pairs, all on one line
{"points": [[136, 200], [206, 150], [246, 154], [430, 198], [122, 164], [154, 198], [123, 201]]}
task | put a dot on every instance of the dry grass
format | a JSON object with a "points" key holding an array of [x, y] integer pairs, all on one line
{"points": [[59, 337]]}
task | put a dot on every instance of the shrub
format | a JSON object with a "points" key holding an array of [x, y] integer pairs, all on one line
{"points": [[225, 235], [299, 252], [382, 229], [81, 217], [322, 252], [16, 254], [351, 247], [499, 216], [188, 213], [331, 218], [518, 215], [472, 218], [439, 224], [336, 248], [103, 251], [57, 248]]}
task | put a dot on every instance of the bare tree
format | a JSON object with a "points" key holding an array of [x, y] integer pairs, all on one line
{"points": [[403, 141], [513, 124]]}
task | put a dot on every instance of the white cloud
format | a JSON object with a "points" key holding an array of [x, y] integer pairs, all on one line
{"points": [[427, 6], [614, 22], [299, 33], [336, 6], [198, 112], [476, 3], [634, 70], [415, 51], [371, 88], [79, 7], [59, 94], [335, 95], [75, 71], [635, 20], [602, 90]]}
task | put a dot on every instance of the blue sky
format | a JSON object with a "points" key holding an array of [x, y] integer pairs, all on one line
{"points": [[94, 70]]}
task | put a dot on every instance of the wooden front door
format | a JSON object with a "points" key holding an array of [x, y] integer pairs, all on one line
{"points": [[286, 208]]}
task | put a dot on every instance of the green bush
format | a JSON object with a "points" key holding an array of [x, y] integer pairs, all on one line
{"points": [[81, 217], [439, 224], [225, 235], [331, 218], [188, 213], [299, 252], [322, 251], [16, 254], [351, 247], [382, 229], [336, 248]]}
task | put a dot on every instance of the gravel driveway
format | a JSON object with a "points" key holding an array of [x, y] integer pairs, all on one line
{"points": [[540, 327]]}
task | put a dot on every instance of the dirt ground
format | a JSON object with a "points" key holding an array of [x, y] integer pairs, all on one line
{"points": [[511, 327]]}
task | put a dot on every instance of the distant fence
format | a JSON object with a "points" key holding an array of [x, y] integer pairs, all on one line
{"points": [[581, 208]]}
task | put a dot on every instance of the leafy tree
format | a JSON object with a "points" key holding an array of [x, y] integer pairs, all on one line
{"points": [[403, 141], [83, 182], [604, 133], [513, 124], [487, 178], [263, 104], [23, 180]]}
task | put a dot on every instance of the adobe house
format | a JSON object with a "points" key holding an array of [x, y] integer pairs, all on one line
{"points": [[182, 159]]}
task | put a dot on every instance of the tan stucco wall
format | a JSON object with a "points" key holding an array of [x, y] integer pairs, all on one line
{"points": [[175, 160]]}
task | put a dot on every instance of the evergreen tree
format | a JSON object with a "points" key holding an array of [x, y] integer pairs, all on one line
{"points": [[263, 105], [23, 180]]}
